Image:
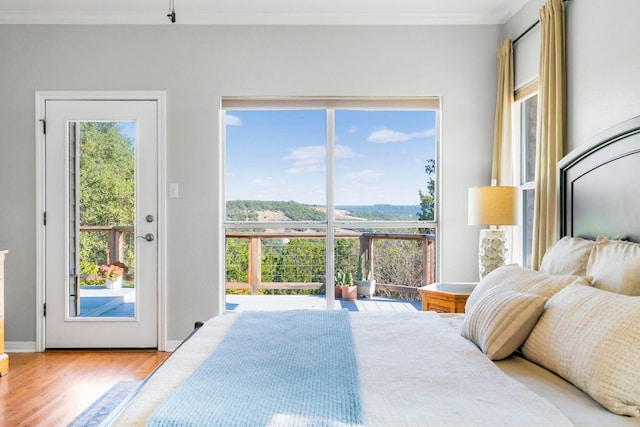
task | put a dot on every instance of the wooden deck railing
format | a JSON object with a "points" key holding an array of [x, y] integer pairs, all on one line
{"points": [[116, 245], [366, 252]]}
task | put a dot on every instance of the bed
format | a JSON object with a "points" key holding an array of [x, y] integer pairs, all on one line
{"points": [[558, 346]]}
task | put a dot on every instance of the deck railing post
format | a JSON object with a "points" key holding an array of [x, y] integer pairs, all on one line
{"points": [[254, 269], [115, 245], [428, 273]]}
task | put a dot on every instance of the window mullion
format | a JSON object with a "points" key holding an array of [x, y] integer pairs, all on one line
{"points": [[330, 238]]}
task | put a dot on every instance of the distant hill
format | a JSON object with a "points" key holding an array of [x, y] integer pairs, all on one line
{"points": [[258, 210], [389, 212]]}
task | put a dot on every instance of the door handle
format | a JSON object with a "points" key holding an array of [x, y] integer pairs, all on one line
{"points": [[148, 237]]}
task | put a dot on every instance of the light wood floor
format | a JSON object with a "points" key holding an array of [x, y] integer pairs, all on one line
{"points": [[54, 387]]}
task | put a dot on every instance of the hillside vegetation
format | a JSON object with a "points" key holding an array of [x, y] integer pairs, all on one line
{"points": [[255, 210]]}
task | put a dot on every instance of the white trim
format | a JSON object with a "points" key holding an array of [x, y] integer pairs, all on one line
{"points": [[220, 307], [40, 98], [20, 347], [158, 17], [172, 345]]}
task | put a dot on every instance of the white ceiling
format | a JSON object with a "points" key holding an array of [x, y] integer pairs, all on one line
{"points": [[278, 12]]}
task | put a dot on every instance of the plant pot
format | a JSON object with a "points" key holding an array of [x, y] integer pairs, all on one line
{"points": [[349, 293], [113, 284], [338, 291], [366, 288]]}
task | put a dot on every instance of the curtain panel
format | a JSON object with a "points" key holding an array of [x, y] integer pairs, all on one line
{"points": [[502, 165], [551, 126]]}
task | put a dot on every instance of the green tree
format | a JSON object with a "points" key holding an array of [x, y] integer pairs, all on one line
{"points": [[427, 200], [107, 188]]}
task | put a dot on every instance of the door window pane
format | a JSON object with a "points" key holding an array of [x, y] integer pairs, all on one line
{"points": [[101, 215]]}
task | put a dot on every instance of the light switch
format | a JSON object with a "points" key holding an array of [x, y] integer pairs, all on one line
{"points": [[173, 190]]}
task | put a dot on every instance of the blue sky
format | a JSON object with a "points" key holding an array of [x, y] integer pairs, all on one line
{"points": [[280, 155]]}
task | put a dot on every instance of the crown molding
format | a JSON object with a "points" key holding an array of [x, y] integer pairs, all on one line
{"points": [[247, 18]]}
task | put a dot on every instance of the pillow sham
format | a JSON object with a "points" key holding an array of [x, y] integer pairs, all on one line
{"points": [[615, 266], [591, 338], [501, 321], [522, 280], [568, 255]]}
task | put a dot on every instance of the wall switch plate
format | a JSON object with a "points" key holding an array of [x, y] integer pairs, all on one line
{"points": [[173, 190]]}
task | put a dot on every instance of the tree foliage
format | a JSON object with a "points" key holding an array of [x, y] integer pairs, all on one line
{"points": [[107, 188], [247, 210], [427, 204]]}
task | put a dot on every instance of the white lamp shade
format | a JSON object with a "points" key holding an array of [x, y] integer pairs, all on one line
{"points": [[495, 205]]}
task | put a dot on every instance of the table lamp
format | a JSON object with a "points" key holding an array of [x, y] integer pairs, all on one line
{"points": [[493, 206]]}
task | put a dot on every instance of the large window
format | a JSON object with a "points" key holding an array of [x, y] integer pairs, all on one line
{"points": [[313, 186], [526, 114]]}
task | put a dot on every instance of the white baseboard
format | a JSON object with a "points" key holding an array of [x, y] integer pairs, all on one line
{"points": [[171, 345], [20, 346]]}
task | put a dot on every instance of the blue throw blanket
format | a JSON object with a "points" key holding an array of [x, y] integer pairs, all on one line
{"points": [[285, 368]]}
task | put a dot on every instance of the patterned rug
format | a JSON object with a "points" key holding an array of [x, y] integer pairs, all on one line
{"points": [[102, 407]]}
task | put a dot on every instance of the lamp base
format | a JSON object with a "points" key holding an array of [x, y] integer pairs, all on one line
{"points": [[493, 251]]}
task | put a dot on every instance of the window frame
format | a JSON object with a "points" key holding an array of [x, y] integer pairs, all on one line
{"points": [[330, 105], [522, 94]]}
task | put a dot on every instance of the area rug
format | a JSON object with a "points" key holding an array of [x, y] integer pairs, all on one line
{"points": [[105, 404]]}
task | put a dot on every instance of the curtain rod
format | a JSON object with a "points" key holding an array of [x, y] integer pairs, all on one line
{"points": [[531, 27]]}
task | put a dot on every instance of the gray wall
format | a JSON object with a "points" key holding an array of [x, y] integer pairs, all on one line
{"points": [[603, 64], [198, 64]]}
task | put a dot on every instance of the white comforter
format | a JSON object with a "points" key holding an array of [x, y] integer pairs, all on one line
{"points": [[414, 369]]}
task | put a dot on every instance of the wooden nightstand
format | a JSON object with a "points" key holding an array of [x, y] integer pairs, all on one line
{"points": [[446, 297]]}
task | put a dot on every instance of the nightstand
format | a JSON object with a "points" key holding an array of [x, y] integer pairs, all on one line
{"points": [[446, 297]]}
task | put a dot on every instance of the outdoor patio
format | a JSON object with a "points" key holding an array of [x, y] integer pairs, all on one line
{"points": [[236, 303], [101, 302]]}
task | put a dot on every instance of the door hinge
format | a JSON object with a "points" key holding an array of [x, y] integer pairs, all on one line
{"points": [[44, 126], [44, 218], [44, 309]]}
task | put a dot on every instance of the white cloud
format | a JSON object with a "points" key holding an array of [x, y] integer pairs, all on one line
{"points": [[354, 129], [231, 120], [264, 182], [365, 175], [343, 152], [312, 158], [389, 135]]}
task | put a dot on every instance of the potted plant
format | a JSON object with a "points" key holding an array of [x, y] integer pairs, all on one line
{"points": [[365, 283], [112, 274], [349, 290], [339, 282]]}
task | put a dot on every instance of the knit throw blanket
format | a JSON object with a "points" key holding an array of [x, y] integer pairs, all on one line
{"points": [[284, 368]]}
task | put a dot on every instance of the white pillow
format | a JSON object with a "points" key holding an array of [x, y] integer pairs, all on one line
{"points": [[591, 338], [568, 255], [522, 280], [501, 321], [615, 266]]}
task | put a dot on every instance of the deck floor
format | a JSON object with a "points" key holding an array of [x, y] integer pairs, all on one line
{"points": [[236, 303], [100, 302]]}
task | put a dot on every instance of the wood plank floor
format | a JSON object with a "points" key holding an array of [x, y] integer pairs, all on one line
{"points": [[54, 387]]}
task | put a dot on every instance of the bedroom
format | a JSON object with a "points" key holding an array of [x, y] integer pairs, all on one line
{"points": [[601, 37]]}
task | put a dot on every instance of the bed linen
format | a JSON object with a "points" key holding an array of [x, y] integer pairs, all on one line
{"points": [[407, 376], [273, 357]]}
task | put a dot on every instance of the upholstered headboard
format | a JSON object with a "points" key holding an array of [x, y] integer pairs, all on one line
{"points": [[599, 185]]}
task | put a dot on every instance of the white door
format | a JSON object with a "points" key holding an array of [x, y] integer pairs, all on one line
{"points": [[101, 203]]}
